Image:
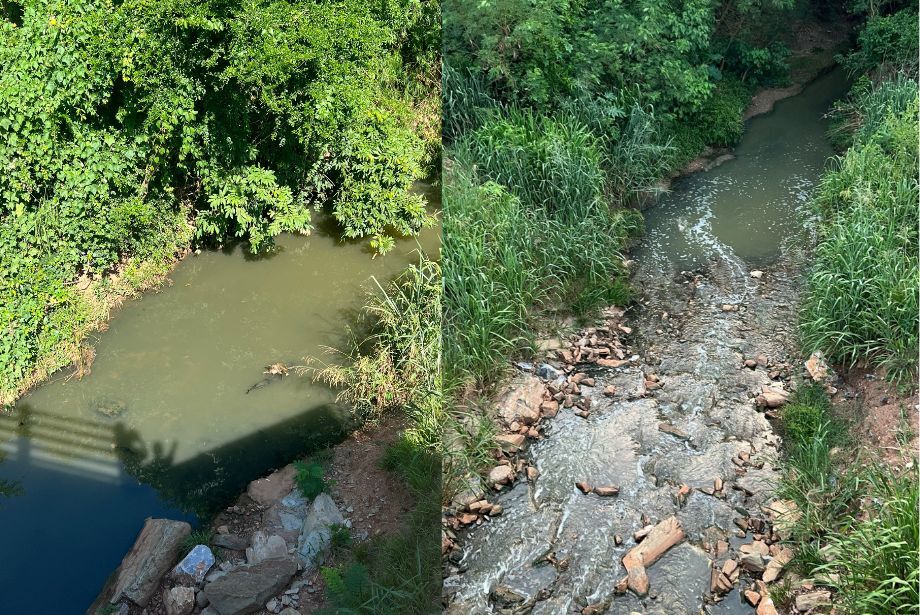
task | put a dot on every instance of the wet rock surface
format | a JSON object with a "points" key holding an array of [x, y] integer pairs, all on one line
{"points": [[669, 415]]}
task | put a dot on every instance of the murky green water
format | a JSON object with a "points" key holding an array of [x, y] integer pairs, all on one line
{"points": [[755, 205], [164, 425]]}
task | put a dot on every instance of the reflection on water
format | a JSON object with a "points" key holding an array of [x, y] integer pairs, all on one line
{"points": [[756, 205], [169, 422]]}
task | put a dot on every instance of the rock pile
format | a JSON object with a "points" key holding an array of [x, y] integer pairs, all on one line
{"points": [[257, 570]]}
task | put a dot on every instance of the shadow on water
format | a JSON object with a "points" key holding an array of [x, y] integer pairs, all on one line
{"points": [[86, 466]]}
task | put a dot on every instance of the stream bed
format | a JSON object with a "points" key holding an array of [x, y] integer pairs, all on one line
{"points": [[177, 415], [700, 315]]}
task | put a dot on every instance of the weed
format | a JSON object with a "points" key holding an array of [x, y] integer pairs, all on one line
{"points": [[200, 536]]}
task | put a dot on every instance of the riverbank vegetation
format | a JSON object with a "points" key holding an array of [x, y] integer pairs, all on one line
{"points": [[559, 122], [130, 131], [395, 368], [862, 304], [855, 525], [854, 520]]}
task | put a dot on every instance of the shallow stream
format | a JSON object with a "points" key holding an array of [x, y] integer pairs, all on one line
{"points": [[700, 315]]}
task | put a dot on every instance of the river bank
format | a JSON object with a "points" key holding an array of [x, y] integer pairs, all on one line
{"points": [[272, 519], [673, 427]]}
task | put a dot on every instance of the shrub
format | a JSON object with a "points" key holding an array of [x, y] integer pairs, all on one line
{"points": [[888, 44], [310, 478]]}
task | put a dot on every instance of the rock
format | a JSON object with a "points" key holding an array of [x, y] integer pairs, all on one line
{"points": [[750, 363], [547, 371], [816, 366], [510, 443], [265, 547], [273, 606], [607, 491], [316, 535], [269, 490], [661, 538], [290, 611], [752, 597], [500, 475], [775, 566], [757, 274], [195, 565], [614, 363], [246, 588], [532, 473], [730, 307], [234, 542], [772, 397], [521, 401], [154, 551], [766, 607], [201, 600], [549, 409], [674, 431], [753, 562], [811, 600], [179, 600]]}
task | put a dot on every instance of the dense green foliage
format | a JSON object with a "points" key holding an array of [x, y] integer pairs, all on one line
{"points": [[395, 368], [506, 258], [862, 302], [856, 524], [130, 129]]}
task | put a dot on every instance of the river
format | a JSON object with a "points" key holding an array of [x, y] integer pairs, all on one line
{"points": [[168, 424]]}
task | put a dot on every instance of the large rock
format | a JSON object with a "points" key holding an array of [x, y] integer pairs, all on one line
{"points": [[316, 535], [265, 546], [153, 553], [246, 588], [179, 600], [266, 491], [196, 564], [230, 541]]}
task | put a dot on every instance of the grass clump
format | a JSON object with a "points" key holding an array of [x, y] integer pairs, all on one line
{"points": [[856, 526]]}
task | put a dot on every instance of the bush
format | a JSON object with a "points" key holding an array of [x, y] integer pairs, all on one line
{"points": [[397, 366], [888, 44], [310, 478]]}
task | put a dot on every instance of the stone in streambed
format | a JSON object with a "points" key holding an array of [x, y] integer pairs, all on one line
{"points": [[316, 534], [266, 491], [179, 600], [265, 546], [230, 541]]}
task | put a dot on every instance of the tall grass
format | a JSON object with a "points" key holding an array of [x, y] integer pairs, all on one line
{"points": [[857, 524], [397, 366], [862, 300], [511, 253]]}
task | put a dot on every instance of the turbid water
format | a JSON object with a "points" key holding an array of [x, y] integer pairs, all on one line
{"points": [[177, 414], [552, 550]]}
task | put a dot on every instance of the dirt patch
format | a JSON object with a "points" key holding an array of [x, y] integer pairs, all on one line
{"points": [[375, 500], [884, 420]]}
